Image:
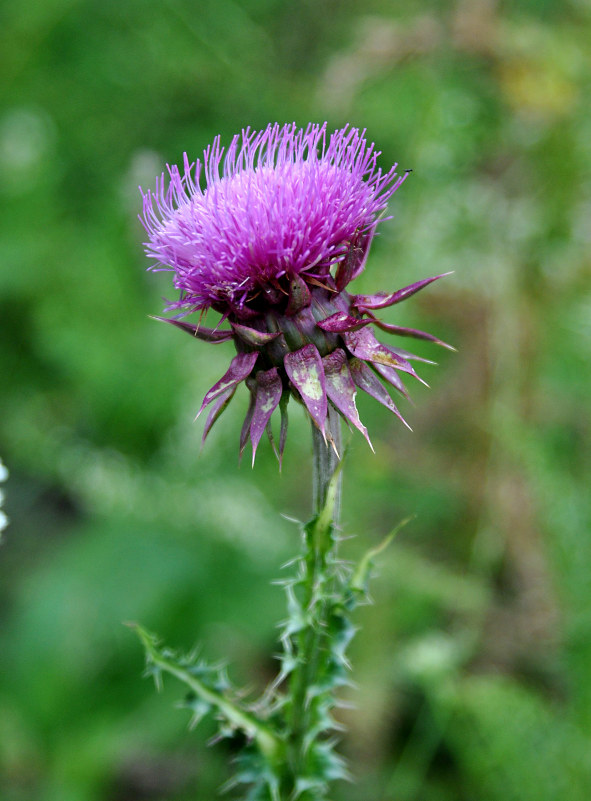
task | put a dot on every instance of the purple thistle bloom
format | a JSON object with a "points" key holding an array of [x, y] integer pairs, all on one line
{"points": [[283, 224]]}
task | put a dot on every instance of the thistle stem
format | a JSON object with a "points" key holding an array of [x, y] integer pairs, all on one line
{"points": [[327, 455], [320, 543]]}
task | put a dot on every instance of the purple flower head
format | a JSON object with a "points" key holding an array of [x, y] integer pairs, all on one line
{"points": [[280, 203], [283, 224]]}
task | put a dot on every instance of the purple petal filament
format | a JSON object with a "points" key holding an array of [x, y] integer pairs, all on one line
{"points": [[282, 201]]}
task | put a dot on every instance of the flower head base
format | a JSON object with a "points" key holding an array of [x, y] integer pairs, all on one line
{"points": [[283, 224]]}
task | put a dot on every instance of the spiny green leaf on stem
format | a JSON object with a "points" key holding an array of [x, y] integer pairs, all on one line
{"points": [[253, 770], [360, 578], [298, 619], [199, 679], [198, 708]]}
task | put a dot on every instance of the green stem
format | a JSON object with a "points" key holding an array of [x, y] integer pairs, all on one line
{"points": [[326, 462], [319, 544]]}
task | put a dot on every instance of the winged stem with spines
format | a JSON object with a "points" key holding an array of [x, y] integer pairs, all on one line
{"points": [[290, 734]]}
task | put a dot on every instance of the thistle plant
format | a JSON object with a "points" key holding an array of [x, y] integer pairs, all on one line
{"points": [[269, 234]]}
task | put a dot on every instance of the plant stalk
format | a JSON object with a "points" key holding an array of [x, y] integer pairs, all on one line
{"points": [[320, 543], [327, 455]]}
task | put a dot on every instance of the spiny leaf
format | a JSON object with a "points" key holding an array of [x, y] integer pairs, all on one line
{"points": [[360, 577], [198, 678]]}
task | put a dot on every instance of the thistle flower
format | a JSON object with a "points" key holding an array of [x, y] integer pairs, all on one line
{"points": [[283, 225], [3, 477]]}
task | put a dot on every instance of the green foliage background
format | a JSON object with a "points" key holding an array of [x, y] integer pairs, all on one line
{"points": [[474, 665]]}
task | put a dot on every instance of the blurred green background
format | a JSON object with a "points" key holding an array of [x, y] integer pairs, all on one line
{"points": [[474, 664]]}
